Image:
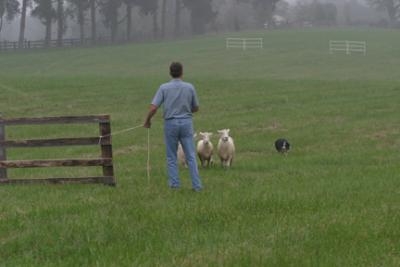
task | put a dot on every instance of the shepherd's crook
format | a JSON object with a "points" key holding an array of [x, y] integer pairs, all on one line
{"points": [[148, 155]]}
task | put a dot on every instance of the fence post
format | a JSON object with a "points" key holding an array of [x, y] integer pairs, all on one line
{"points": [[3, 156], [244, 44], [106, 150], [347, 48]]}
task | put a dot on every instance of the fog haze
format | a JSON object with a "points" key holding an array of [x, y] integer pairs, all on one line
{"points": [[121, 20]]}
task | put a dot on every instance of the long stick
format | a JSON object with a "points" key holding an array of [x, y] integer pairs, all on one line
{"points": [[148, 155]]}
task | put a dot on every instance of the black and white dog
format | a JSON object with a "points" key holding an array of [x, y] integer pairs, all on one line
{"points": [[282, 145]]}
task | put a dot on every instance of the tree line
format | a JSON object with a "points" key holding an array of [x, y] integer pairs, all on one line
{"points": [[117, 16]]}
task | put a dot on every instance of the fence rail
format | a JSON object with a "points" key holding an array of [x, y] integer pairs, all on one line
{"points": [[104, 141], [348, 47], [14, 46], [244, 43], [86, 141], [56, 120], [85, 180]]}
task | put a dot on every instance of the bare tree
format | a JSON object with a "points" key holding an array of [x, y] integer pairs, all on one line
{"points": [[45, 11], [163, 17], [79, 9], [93, 12], [8, 10], [201, 14], [109, 9], [61, 26], [178, 8], [22, 24], [150, 7], [129, 6]]}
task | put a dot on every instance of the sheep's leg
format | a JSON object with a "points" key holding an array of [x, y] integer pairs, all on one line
{"points": [[224, 164], [230, 161], [203, 162]]}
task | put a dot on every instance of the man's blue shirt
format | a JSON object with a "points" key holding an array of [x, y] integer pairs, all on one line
{"points": [[178, 97]]}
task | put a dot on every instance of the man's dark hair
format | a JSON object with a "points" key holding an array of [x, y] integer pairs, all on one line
{"points": [[176, 69]]}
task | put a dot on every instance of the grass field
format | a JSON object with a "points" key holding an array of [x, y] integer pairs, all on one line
{"points": [[334, 201]]}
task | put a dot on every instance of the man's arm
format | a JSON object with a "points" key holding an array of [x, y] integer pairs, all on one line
{"points": [[152, 112], [195, 102]]}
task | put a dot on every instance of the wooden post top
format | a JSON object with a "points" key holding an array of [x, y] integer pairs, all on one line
{"points": [[56, 120]]}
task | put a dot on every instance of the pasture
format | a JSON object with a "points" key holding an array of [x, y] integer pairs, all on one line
{"points": [[333, 201]]}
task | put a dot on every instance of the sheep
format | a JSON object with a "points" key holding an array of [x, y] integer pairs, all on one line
{"points": [[181, 154], [226, 148], [205, 149]]}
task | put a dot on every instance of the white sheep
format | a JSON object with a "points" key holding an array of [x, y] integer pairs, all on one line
{"points": [[181, 154], [226, 148], [205, 149]]}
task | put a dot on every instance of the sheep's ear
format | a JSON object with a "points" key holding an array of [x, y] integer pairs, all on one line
{"points": [[194, 135], [228, 130], [220, 131]]}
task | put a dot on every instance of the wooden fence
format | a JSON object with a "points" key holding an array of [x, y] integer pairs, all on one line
{"points": [[104, 141], [244, 43], [348, 47], [14, 46]]}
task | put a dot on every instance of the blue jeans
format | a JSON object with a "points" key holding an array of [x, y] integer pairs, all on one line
{"points": [[181, 130]]}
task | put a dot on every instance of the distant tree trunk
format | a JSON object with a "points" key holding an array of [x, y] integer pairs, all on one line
{"points": [[48, 32], [178, 7], [60, 22], [113, 30], [163, 18], [392, 12], [22, 25], [93, 20], [1, 23], [114, 26], [155, 25], [81, 21], [129, 21], [236, 24]]}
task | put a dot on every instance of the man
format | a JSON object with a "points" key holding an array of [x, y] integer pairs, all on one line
{"points": [[180, 102]]}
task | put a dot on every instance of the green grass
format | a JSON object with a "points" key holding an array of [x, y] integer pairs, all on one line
{"points": [[334, 201]]}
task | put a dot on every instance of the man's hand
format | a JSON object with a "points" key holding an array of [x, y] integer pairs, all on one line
{"points": [[152, 112], [147, 124]]}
